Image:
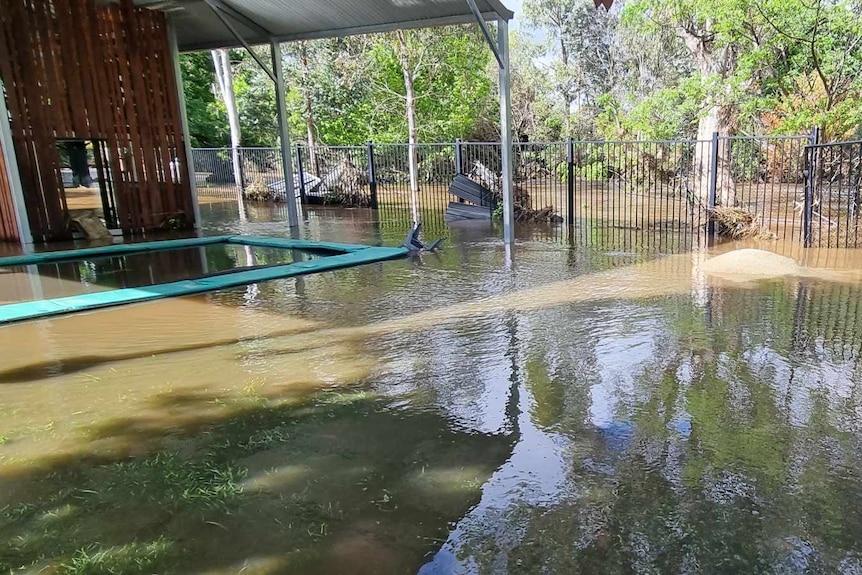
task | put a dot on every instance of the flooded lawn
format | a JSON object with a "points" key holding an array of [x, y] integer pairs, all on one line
{"points": [[572, 407]]}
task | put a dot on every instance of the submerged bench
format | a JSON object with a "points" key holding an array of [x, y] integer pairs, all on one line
{"points": [[481, 200], [470, 191]]}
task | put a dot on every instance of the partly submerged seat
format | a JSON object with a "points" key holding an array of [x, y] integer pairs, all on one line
{"points": [[470, 191], [466, 190]]}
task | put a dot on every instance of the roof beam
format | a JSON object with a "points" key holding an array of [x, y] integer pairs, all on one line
{"points": [[240, 17], [503, 12], [350, 31], [213, 5], [484, 26]]}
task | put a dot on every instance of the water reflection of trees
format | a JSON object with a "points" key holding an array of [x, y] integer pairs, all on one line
{"points": [[734, 448]]}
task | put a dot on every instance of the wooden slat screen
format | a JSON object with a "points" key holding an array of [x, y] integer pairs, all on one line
{"points": [[76, 71], [8, 226]]}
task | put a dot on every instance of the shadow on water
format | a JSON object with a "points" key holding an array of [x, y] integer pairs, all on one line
{"points": [[332, 483], [77, 364]]}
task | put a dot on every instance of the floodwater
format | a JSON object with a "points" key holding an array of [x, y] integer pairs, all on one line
{"points": [[45, 281], [566, 407]]}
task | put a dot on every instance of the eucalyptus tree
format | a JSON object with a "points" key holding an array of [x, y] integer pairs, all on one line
{"points": [[224, 76]]}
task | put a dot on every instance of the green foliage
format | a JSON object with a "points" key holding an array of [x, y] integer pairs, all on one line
{"points": [[593, 171], [333, 78], [648, 69], [255, 100], [452, 84], [207, 117], [777, 65], [665, 114], [745, 158], [355, 88]]}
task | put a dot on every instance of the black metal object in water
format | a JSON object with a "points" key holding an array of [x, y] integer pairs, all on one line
{"points": [[413, 242]]}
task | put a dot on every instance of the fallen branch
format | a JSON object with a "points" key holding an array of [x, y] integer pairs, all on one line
{"points": [[739, 223]]}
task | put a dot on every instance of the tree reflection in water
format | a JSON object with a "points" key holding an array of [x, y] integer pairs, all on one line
{"points": [[674, 437]]}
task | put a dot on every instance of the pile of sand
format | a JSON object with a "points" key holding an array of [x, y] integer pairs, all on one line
{"points": [[750, 263]]}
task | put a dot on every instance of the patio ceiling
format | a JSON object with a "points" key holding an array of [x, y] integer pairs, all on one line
{"points": [[259, 21]]}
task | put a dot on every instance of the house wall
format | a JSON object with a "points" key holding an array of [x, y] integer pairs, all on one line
{"points": [[73, 70]]}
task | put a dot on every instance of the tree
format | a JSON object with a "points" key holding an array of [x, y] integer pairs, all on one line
{"points": [[808, 65], [557, 17], [305, 87], [411, 59], [207, 118], [775, 64], [306, 94], [224, 75], [255, 99], [535, 112], [710, 31]]}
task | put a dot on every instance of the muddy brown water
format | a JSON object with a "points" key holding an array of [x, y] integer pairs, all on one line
{"points": [[569, 407]]}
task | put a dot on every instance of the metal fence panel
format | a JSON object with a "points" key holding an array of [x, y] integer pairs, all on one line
{"points": [[602, 188], [768, 179], [833, 199]]}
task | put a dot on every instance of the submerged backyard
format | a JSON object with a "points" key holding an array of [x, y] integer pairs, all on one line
{"points": [[226, 348], [578, 404]]}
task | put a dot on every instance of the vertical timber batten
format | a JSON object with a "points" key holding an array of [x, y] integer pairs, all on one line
{"points": [[188, 166], [13, 214], [111, 81]]}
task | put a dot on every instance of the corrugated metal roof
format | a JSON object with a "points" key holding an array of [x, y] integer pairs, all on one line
{"points": [[198, 27]]}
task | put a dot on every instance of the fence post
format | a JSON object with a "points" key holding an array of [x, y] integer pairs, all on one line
{"points": [[241, 168], [301, 174], [810, 174], [372, 175], [570, 181], [713, 185], [459, 163]]}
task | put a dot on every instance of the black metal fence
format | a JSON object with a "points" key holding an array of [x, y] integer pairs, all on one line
{"points": [[793, 186], [831, 199]]}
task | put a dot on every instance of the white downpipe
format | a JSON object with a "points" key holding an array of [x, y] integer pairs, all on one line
{"points": [[13, 175]]}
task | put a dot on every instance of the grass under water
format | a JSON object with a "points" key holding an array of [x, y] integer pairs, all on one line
{"points": [[274, 479]]}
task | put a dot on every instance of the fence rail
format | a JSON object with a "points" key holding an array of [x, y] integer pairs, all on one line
{"points": [[796, 187]]}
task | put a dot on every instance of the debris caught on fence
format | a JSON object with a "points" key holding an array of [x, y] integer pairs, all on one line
{"points": [[258, 191], [524, 211], [738, 223], [345, 185]]}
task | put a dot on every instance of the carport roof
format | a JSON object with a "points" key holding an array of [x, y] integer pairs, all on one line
{"points": [[259, 21]]}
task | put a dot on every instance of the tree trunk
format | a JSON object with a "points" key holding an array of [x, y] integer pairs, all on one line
{"points": [[719, 118], [715, 120], [567, 98], [311, 131], [410, 97], [224, 77]]}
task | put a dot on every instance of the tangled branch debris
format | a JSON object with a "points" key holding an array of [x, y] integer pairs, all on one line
{"points": [[259, 191], [738, 223], [524, 211], [346, 187]]}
